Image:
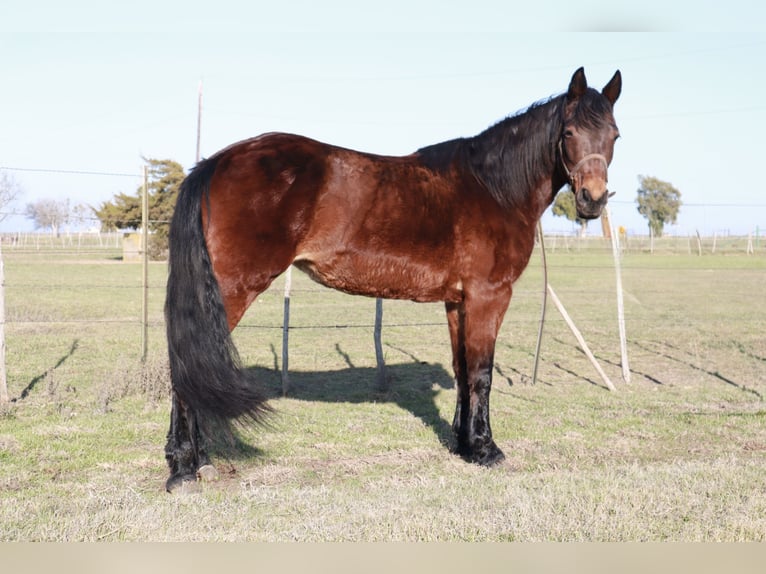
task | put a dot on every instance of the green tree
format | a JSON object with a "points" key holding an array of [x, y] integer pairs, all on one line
{"points": [[658, 201], [124, 210], [564, 206], [165, 178]]}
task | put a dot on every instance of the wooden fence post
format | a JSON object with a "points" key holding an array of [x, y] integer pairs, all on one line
{"points": [[145, 267], [4, 398], [285, 332], [381, 381]]}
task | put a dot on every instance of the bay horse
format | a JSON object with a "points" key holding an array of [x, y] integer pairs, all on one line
{"points": [[453, 222]]}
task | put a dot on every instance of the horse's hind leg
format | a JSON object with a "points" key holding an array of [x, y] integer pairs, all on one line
{"points": [[184, 451]]}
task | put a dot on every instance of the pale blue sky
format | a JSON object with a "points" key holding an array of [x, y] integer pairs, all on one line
{"points": [[93, 86]]}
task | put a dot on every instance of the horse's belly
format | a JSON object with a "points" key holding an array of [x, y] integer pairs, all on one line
{"points": [[384, 276]]}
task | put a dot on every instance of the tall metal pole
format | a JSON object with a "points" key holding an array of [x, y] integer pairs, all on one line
{"points": [[145, 265]]}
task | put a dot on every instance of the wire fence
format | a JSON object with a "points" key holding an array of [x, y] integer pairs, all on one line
{"points": [[95, 242], [80, 240], [84, 286], [115, 248]]}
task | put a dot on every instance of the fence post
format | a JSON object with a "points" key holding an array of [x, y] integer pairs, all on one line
{"points": [[145, 267], [380, 379], [4, 399], [285, 332]]}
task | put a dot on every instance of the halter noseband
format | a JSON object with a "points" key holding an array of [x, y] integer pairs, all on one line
{"points": [[572, 175]]}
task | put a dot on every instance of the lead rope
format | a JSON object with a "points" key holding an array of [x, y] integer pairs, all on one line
{"points": [[545, 299], [571, 175]]}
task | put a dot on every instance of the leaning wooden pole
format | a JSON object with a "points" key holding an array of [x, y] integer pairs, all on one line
{"points": [[580, 338]]}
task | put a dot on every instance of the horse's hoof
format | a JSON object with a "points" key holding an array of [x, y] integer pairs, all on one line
{"points": [[491, 458], [487, 455], [207, 473]]}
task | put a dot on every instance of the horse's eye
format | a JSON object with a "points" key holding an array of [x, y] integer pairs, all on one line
{"points": [[568, 134]]}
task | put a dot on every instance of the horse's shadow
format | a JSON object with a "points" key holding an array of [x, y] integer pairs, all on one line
{"points": [[411, 386]]}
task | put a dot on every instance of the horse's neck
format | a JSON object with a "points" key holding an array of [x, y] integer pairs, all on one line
{"points": [[516, 159]]}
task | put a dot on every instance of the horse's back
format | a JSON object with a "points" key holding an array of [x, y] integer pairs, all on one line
{"points": [[363, 223], [383, 226]]}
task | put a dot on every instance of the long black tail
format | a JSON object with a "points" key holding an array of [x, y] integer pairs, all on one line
{"points": [[205, 369]]}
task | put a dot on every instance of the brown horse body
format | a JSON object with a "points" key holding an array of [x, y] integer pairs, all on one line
{"points": [[357, 229], [454, 222]]}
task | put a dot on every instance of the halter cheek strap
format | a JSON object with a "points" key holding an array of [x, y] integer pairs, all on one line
{"points": [[572, 175]]}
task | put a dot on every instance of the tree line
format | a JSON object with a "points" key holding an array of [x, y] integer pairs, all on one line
{"points": [[658, 201]]}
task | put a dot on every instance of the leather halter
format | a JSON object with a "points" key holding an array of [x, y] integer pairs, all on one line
{"points": [[574, 172]]}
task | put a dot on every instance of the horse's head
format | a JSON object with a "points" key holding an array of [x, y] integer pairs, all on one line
{"points": [[587, 141]]}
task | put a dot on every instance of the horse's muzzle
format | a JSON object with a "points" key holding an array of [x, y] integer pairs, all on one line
{"points": [[586, 206]]}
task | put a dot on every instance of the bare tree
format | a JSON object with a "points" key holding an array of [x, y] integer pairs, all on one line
{"points": [[82, 214], [49, 214], [10, 191]]}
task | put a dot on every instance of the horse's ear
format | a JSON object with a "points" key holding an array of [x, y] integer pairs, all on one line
{"points": [[577, 85], [612, 90]]}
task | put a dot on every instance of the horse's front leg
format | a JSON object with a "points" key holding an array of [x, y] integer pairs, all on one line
{"points": [[184, 452], [455, 322], [477, 323]]}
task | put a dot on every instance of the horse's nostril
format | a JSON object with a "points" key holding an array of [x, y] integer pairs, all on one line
{"points": [[586, 195]]}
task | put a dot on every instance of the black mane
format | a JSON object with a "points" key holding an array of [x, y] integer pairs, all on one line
{"points": [[512, 156], [439, 157]]}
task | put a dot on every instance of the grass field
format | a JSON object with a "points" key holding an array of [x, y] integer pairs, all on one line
{"points": [[677, 454]]}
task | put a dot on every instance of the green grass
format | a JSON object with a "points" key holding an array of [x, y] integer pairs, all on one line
{"points": [[677, 454]]}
